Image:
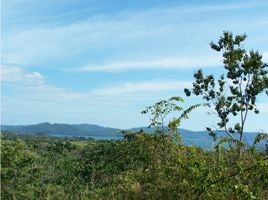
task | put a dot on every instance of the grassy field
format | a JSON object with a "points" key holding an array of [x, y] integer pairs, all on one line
{"points": [[81, 143]]}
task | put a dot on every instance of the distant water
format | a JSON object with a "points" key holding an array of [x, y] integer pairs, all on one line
{"points": [[203, 142], [93, 137]]}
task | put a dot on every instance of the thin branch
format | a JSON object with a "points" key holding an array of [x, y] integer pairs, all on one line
{"points": [[228, 132]]}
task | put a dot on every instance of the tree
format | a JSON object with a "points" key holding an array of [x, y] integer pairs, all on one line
{"points": [[234, 93], [160, 111], [17, 169]]}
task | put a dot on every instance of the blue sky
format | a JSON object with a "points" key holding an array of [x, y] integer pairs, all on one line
{"points": [[102, 62]]}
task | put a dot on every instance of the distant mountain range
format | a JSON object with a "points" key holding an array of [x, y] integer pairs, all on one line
{"points": [[199, 138], [79, 130]]}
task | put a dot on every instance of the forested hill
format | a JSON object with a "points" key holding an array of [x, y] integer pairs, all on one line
{"points": [[200, 138], [80, 130]]}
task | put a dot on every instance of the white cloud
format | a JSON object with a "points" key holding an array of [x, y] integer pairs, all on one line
{"points": [[141, 87], [165, 63], [16, 74], [143, 35], [31, 87]]}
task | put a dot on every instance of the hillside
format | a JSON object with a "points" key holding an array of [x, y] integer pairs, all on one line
{"points": [[79, 130], [199, 138]]}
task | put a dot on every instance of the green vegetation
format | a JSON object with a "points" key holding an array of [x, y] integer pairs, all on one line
{"points": [[140, 166], [150, 166], [160, 111]]}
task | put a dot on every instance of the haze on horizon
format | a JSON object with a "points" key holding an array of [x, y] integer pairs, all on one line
{"points": [[101, 63]]}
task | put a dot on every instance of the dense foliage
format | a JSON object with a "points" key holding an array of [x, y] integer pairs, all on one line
{"points": [[141, 166]]}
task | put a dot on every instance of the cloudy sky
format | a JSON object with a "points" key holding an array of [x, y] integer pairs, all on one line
{"points": [[102, 62]]}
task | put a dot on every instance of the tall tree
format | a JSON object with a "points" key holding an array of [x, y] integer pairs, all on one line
{"points": [[235, 92]]}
